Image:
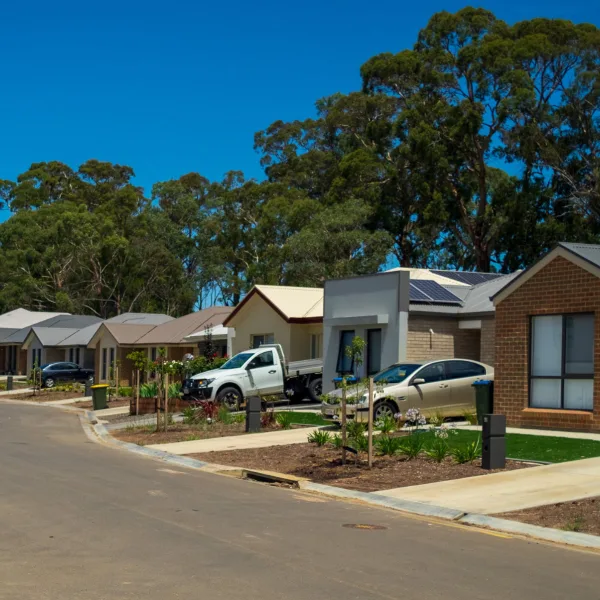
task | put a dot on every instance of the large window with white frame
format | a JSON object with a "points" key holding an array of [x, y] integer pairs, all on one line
{"points": [[562, 362]]}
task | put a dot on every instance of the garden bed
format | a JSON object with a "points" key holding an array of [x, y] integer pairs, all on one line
{"points": [[142, 431], [146, 435], [323, 465], [46, 396], [579, 515]]}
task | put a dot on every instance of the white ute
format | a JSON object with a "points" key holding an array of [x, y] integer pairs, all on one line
{"points": [[261, 371]]}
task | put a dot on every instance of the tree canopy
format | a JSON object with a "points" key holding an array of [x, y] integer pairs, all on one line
{"points": [[478, 148]]}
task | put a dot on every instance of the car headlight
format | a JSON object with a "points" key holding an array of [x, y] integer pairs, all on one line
{"points": [[204, 382]]}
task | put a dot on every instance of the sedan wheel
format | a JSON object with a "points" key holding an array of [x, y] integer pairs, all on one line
{"points": [[383, 410], [49, 383]]}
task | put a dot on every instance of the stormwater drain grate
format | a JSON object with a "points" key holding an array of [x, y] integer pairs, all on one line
{"points": [[363, 526]]}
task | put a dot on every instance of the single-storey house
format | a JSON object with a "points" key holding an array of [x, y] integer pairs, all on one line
{"points": [[547, 371], [57, 325], [402, 314], [290, 316], [114, 341], [402, 318]]}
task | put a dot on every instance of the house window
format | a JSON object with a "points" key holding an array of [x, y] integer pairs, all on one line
{"points": [[562, 362], [77, 356], [373, 351], [316, 345], [153, 354], [104, 364], [345, 364], [264, 338], [71, 354]]}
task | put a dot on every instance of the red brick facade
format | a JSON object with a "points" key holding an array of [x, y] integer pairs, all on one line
{"points": [[558, 288]]}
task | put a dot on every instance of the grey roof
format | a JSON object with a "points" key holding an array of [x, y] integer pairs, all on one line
{"points": [[69, 321], [75, 322], [81, 337], [478, 299], [52, 336], [6, 332], [140, 319], [589, 252]]}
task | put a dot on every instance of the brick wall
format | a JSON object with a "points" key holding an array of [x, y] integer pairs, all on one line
{"points": [[488, 341], [560, 287], [447, 341]]}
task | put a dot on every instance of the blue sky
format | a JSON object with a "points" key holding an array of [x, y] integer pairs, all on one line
{"points": [[174, 87]]}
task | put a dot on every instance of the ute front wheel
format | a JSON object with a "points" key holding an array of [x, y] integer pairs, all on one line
{"points": [[230, 397]]}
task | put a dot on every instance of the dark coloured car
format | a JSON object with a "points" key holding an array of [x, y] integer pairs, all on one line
{"points": [[64, 371]]}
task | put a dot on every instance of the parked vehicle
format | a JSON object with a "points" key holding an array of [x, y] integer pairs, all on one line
{"points": [[64, 371], [437, 386], [262, 371]]}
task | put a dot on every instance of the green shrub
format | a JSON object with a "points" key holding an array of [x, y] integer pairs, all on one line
{"points": [[284, 420], [355, 429], [388, 446], [336, 440], [470, 417], [149, 390], [224, 416], [386, 425], [466, 453], [174, 390], [360, 443], [319, 437], [438, 450], [413, 445], [191, 415]]}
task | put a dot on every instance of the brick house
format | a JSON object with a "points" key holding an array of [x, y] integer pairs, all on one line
{"points": [[547, 342]]}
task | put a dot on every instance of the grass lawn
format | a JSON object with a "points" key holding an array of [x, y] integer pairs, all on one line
{"points": [[537, 447], [307, 418]]}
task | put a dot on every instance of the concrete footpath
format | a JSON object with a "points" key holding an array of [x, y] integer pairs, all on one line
{"points": [[575, 435], [238, 442], [510, 490]]}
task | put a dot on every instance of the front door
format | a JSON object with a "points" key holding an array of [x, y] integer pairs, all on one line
{"points": [[430, 396], [262, 373]]}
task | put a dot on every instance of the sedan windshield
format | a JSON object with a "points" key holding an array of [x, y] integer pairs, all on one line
{"points": [[237, 361], [395, 373]]}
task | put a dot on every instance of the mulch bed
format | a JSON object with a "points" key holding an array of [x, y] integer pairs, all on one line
{"points": [[46, 396], [579, 515], [323, 465], [178, 432], [114, 403]]}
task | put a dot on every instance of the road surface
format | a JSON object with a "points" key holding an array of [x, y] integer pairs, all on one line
{"points": [[79, 520]]}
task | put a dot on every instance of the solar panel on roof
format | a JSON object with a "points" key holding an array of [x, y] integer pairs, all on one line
{"points": [[416, 295], [468, 277], [434, 292]]}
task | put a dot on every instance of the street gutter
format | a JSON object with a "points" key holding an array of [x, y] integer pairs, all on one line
{"points": [[97, 432]]}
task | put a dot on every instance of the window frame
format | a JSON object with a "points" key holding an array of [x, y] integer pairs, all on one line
{"points": [[264, 336], [563, 374], [370, 332], [342, 353]]}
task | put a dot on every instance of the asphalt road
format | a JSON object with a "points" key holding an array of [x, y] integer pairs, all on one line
{"points": [[79, 520]]}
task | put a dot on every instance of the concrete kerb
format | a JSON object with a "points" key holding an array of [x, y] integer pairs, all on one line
{"points": [[96, 431]]}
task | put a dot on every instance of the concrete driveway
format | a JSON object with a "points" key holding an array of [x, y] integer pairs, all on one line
{"points": [[82, 521], [510, 490]]}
